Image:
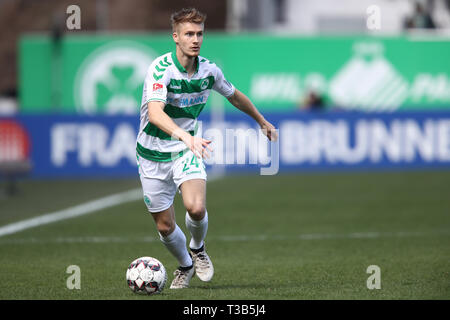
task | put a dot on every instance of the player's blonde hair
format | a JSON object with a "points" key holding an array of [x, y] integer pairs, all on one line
{"points": [[187, 15]]}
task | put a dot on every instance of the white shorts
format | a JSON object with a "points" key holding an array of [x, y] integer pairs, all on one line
{"points": [[161, 180]]}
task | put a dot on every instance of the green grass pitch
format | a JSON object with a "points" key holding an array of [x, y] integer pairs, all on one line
{"points": [[289, 236]]}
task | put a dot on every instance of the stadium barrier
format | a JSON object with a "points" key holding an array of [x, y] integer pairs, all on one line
{"points": [[104, 146]]}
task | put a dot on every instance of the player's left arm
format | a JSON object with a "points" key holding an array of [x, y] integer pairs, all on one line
{"points": [[243, 103]]}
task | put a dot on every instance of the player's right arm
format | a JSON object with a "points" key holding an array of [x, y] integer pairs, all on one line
{"points": [[159, 118], [155, 95]]}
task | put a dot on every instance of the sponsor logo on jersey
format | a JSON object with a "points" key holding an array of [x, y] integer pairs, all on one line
{"points": [[185, 102]]}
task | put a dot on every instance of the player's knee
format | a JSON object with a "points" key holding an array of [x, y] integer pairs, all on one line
{"points": [[196, 210], [165, 228]]}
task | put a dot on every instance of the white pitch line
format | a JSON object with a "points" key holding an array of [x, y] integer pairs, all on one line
{"points": [[72, 212], [79, 210]]}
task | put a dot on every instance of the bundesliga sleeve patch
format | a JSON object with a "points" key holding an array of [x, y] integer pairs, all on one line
{"points": [[158, 91], [157, 87]]}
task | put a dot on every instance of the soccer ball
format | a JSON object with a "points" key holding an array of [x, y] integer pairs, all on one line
{"points": [[146, 275]]}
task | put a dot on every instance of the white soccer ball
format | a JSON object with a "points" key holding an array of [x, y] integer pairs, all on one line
{"points": [[146, 275]]}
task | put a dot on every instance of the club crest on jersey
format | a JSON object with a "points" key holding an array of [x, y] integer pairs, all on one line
{"points": [[157, 86], [204, 84]]}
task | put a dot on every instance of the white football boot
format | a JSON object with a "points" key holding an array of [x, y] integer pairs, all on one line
{"points": [[182, 277], [202, 263]]}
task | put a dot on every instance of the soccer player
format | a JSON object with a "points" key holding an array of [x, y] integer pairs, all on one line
{"points": [[169, 151]]}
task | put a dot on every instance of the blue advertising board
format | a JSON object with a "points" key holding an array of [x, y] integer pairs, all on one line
{"points": [[104, 146]]}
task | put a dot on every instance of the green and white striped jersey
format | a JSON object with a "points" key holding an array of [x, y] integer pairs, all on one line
{"points": [[167, 81]]}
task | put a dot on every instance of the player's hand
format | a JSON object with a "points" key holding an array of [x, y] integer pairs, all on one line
{"points": [[198, 146], [269, 130]]}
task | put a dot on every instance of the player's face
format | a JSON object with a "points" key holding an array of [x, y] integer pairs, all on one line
{"points": [[189, 38]]}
